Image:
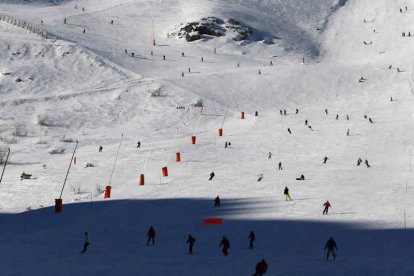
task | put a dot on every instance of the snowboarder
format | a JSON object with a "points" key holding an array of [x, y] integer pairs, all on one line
{"points": [[269, 155], [217, 201], [86, 243], [326, 206], [226, 245], [325, 159], [306, 122], [286, 193], [302, 177], [297, 111], [337, 116], [331, 246], [284, 112], [138, 144], [280, 166], [366, 163], [152, 53], [212, 174], [261, 268], [100, 148], [359, 161], [370, 120], [326, 111], [252, 238], [290, 132], [259, 177], [190, 241], [347, 117], [151, 236], [347, 132]]}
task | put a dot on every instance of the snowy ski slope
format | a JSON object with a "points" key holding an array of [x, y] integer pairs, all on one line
{"points": [[82, 86]]}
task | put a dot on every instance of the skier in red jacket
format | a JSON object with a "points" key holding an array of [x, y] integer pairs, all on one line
{"points": [[326, 206]]}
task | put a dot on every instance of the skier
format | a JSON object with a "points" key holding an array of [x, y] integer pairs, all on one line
{"points": [[280, 166], [347, 117], [286, 193], [83, 9], [326, 206], [260, 72], [391, 99], [366, 163], [182, 74], [306, 122], [189, 70], [365, 116], [310, 127], [86, 243], [271, 63], [226, 245], [202, 59], [64, 21], [126, 51], [229, 144], [212, 174], [297, 111], [325, 159], [331, 246], [256, 113], [225, 145], [138, 144], [260, 177], [261, 268], [182, 54], [217, 201], [347, 132], [281, 112], [370, 120], [100, 148], [400, 10], [238, 64], [290, 132], [390, 67], [132, 54], [151, 236], [337, 116], [112, 22], [326, 111], [252, 238], [284, 112], [163, 57], [359, 161], [84, 30], [41, 21], [269, 155], [191, 240], [398, 70]]}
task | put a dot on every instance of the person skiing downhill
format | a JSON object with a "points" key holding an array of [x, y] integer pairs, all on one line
{"points": [[269, 155], [217, 201], [151, 236], [325, 159], [86, 243], [337, 116], [306, 122], [331, 246], [138, 144], [370, 120], [290, 132], [286, 193], [225, 244], [280, 166], [190, 241], [366, 163], [326, 206], [261, 268], [326, 111], [359, 161], [284, 112], [252, 238], [347, 132], [212, 174], [100, 148], [260, 177]]}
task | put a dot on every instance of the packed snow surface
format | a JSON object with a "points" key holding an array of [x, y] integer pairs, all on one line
{"points": [[103, 84]]}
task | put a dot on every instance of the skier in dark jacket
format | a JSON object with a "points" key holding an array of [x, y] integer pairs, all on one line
{"points": [[326, 111], [286, 193], [269, 155], [217, 201], [212, 174], [151, 236], [370, 120], [261, 268], [225, 244], [366, 163], [306, 122], [284, 112], [331, 246], [138, 144], [290, 132], [325, 159], [260, 177], [100, 148], [280, 166], [86, 243], [251, 238], [190, 241], [359, 161]]}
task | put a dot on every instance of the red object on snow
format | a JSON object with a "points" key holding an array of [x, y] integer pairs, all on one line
{"points": [[220, 132], [107, 192], [177, 157], [164, 171], [242, 115], [193, 140], [141, 180], [210, 221]]}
